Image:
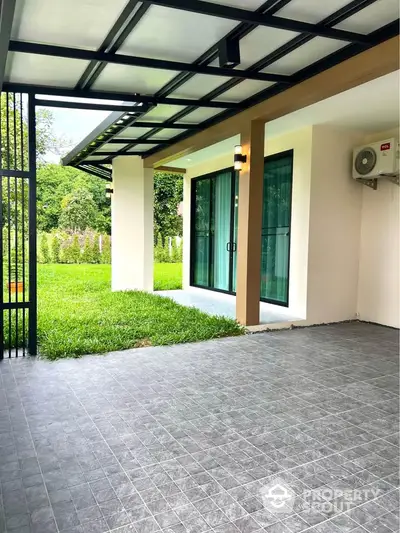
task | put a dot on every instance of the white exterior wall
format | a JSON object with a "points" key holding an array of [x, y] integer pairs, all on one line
{"points": [[379, 269], [132, 225], [334, 230], [344, 252]]}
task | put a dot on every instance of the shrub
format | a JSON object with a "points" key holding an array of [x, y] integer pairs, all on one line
{"points": [[106, 249], [87, 255], [56, 249], [176, 251], [95, 251], [44, 249], [72, 251], [161, 254]]}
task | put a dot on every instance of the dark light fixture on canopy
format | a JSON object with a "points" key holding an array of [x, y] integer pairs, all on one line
{"points": [[229, 53]]}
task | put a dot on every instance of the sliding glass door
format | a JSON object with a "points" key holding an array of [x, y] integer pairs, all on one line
{"points": [[275, 237], [213, 247], [215, 226]]}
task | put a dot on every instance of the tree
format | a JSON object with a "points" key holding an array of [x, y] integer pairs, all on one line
{"points": [[55, 183], [44, 249], [168, 193], [78, 210]]}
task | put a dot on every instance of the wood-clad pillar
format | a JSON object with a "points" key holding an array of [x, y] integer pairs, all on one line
{"points": [[249, 225]]}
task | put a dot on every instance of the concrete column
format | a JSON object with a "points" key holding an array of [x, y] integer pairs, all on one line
{"points": [[132, 225], [250, 224]]}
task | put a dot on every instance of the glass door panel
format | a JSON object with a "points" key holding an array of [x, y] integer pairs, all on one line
{"points": [[221, 231], [201, 204], [275, 242]]}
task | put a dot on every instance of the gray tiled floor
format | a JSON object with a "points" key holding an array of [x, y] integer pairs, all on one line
{"points": [[186, 438]]}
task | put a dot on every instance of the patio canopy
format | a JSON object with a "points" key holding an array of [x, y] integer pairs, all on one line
{"points": [[171, 68]]}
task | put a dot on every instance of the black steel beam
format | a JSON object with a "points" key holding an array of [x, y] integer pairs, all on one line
{"points": [[68, 104], [123, 26], [7, 10], [122, 59], [95, 170], [271, 21], [106, 95]]}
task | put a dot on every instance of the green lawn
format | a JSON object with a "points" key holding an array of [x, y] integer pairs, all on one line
{"points": [[78, 313]]}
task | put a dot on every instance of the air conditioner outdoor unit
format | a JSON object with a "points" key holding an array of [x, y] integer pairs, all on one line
{"points": [[376, 160]]}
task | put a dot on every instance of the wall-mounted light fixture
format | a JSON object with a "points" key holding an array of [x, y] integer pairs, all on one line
{"points": [[109, 190], [238, 158]]}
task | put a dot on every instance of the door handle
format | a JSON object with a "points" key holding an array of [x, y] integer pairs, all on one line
{"points": [[234, 248], [228, 247]]}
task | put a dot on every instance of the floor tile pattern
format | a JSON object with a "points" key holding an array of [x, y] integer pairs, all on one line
{"points": [[188, 438]]}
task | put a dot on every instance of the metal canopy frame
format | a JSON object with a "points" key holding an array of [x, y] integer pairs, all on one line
{"points": [[132, 115]]}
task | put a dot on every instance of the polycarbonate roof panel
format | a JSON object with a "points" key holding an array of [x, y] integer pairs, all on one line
{"points": [[142, 147], [43, 70], [260, 42], [132, 133], [114, 147], [122, 78], [305, 55], [167, 134], [311, 11], [198, 86], [199, 115], [244, 90], [165, 33], [162, 112], [373, 17], [98, 158], [65, 22]]}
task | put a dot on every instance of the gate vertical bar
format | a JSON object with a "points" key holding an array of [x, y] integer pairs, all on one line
{"points": [[32, 334], [8, 168], [1, 234], [22, 162], [15, 141]]}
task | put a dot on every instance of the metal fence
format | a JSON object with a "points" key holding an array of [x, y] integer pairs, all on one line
{"points": [[18, 299]]}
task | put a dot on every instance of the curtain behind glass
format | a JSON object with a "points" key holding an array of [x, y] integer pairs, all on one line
{"points": [[202, 232], [235, 231], [222, 230], [276, 229]]}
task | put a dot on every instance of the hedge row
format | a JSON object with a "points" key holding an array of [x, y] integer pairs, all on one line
{"points": [[90, 247], [74, 248]]}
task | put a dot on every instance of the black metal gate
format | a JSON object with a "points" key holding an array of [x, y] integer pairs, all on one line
{"points": [[18, 299]]}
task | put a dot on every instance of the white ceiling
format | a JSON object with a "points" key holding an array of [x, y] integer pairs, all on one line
{"points": [[371, 107]]}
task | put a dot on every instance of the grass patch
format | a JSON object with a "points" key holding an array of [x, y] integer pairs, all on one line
{"points": [[78, 313], [167, 276]]}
